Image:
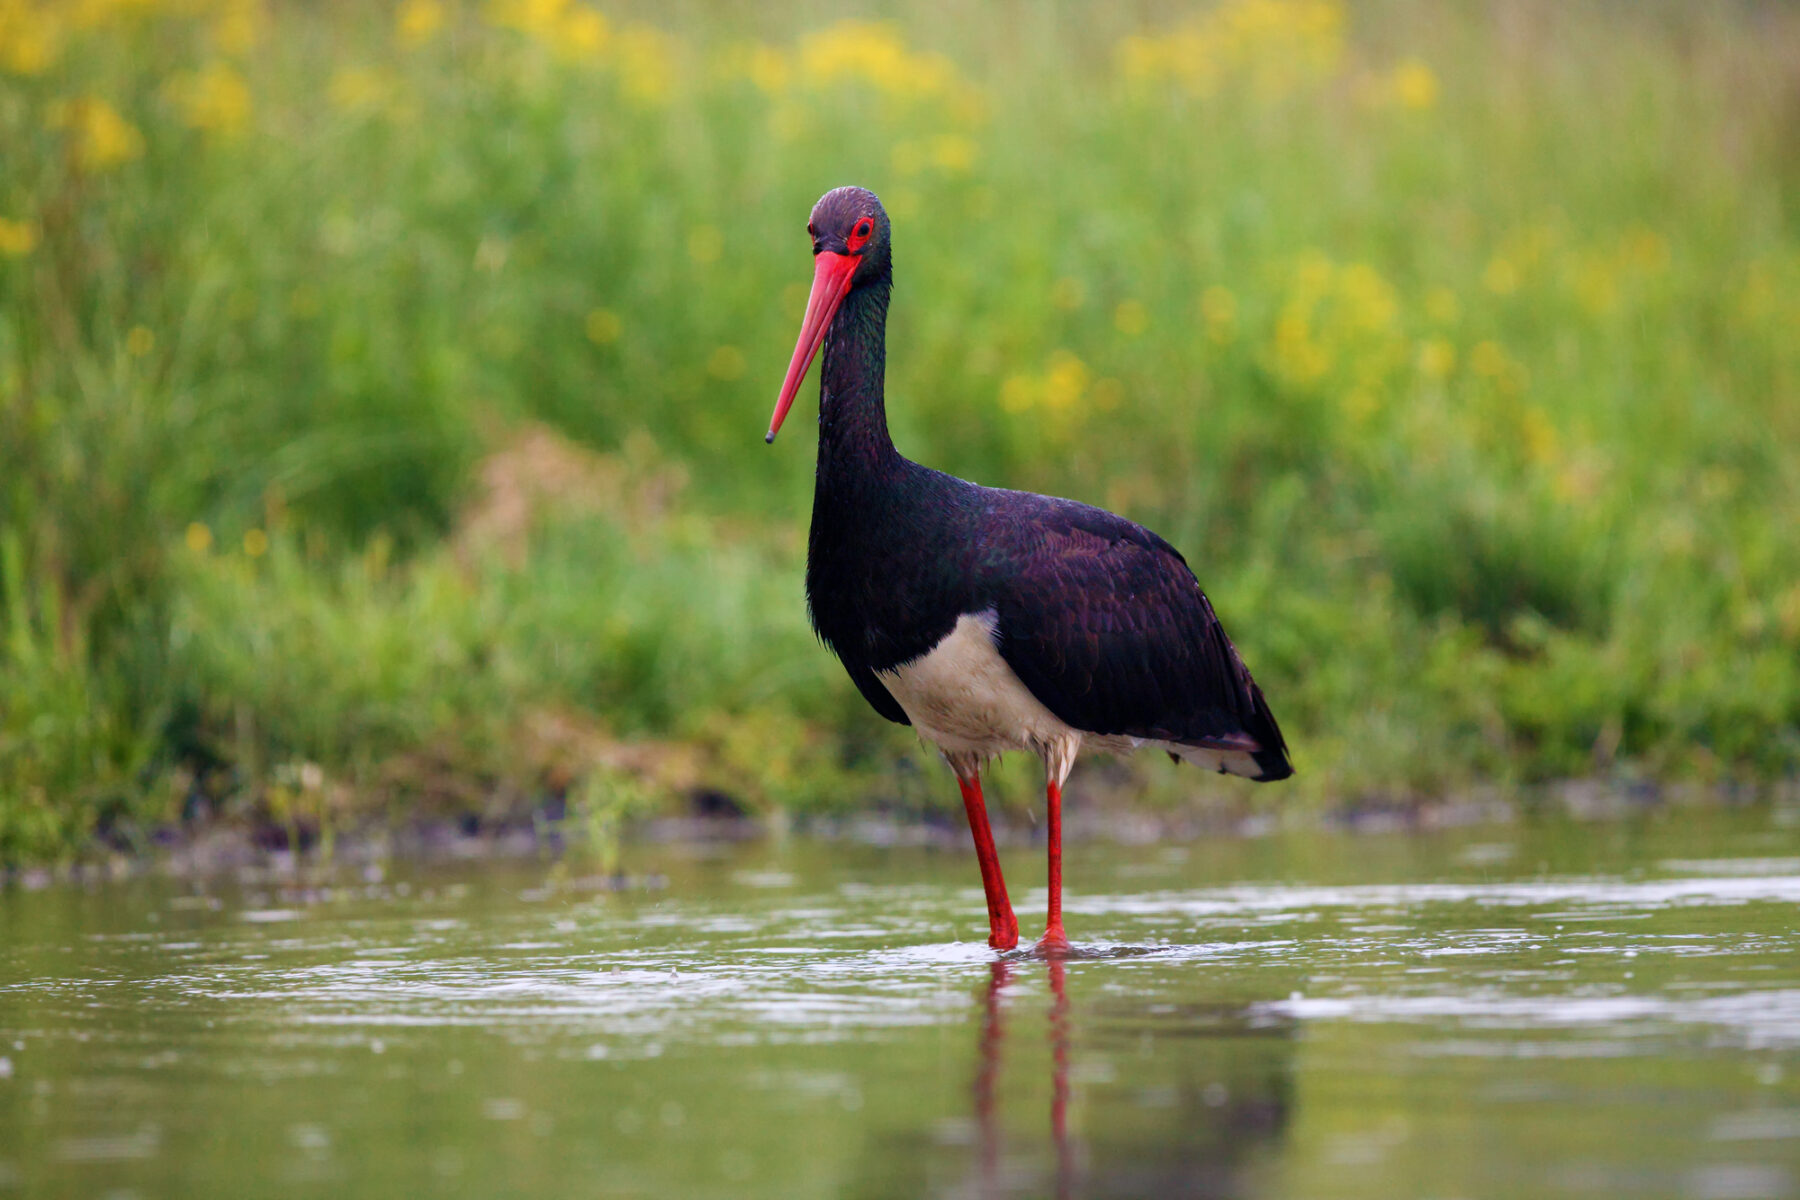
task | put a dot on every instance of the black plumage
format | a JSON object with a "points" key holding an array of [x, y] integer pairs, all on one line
{"points": [[1100, 618], [995, 620]]}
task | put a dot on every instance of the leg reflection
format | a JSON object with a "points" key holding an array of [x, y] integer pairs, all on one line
{"points": [[987, 1078], [987, 1075], [1059, 1079], [1182, 1098]]}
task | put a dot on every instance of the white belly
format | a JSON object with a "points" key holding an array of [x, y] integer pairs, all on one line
{"points": [[962, 696]]}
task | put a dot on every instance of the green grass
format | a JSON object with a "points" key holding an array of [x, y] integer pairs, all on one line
{"points": [[1454, 346]]}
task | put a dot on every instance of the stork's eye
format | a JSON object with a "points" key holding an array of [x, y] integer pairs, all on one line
{"points": [[859, 236]]}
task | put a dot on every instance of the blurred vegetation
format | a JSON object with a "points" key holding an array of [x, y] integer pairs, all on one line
{"points": [[381, 389]]}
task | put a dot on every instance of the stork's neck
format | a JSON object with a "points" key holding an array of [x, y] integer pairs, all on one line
{"points": [[854, 446]]}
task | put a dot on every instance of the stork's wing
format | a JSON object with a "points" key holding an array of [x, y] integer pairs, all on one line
{"points": [[879, 698], [1108, 627]]}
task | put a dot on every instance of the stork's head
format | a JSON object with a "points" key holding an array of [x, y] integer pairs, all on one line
{"points": [[849, 231]]}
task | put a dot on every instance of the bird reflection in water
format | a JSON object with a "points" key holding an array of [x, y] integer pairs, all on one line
{"points": [[1177, 1100]]}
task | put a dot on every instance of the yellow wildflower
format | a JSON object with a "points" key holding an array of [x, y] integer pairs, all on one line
{"points": [[571, 29], [603, 326], [769, 69], [1298, 356], [237, 27], [1644, 249], [1488, 359], [1067, 294], [1341, 318], [1595, 285], [354, 88], [1018, 393], [646, 58], [875, 54], [1757, 299], [417, 21], [1314, 275], [1414, 85], [540, 18], [1131, 318], [214, 98], [584, 33], [140, 341], [103, 139], [1442, 306], [198, 537], [705, 245], [1056, 390], [1218, 308], [89, 14], [1501, 277], [1437, 358], [1539, 435], [953, 152], [30, 38], [1370, 301], [1787, 612], [1272, 46], [727, 363], [1065, 382], [1360, 403], [17, 238]]}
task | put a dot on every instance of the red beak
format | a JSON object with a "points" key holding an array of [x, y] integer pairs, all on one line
{"points": [[832, 274]]}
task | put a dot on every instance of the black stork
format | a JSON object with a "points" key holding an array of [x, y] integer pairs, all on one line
{"points": [[994, 620]]}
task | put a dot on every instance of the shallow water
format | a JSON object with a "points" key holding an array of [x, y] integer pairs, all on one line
{"points": [[1542, 1010]]}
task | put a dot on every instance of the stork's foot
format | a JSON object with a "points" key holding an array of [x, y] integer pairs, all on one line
{"points": [[1054, 943], [1004, 933]]}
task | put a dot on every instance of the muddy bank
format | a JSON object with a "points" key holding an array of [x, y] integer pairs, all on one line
{"points": [[200, 849]]}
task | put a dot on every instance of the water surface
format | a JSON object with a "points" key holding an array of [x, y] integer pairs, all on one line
{"points": [[1542, 1010]]}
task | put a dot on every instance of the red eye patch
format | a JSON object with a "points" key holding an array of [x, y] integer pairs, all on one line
{"points": [[859, 237]]}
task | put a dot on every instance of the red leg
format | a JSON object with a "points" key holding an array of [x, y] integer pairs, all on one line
{"points": [[1003, 927], [1055, 940]]}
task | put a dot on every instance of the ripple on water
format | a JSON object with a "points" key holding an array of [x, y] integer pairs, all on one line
{"points": [[1508, 955]]}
